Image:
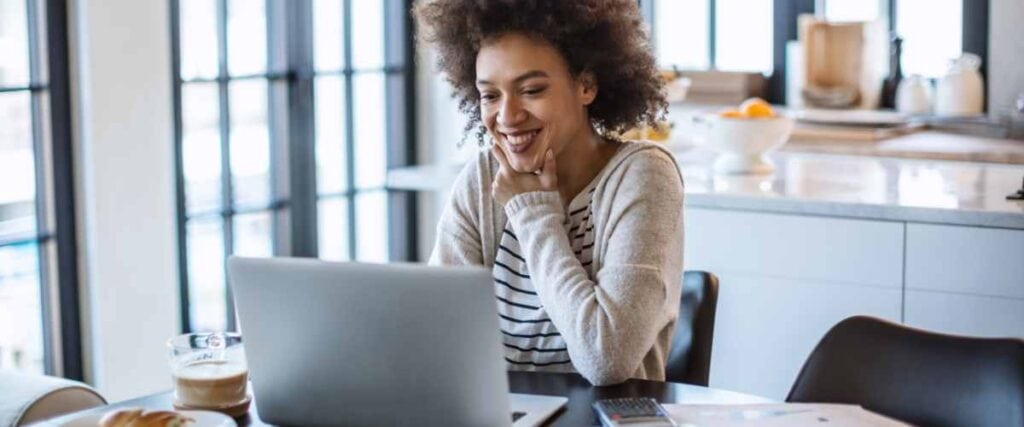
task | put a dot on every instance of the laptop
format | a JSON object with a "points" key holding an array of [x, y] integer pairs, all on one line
{"points": [[376, 344]]}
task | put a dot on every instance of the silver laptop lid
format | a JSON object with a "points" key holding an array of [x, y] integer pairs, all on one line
{"points": [[359, 344]]}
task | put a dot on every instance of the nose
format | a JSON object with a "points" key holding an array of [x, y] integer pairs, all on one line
{"points": [[511, 113]]}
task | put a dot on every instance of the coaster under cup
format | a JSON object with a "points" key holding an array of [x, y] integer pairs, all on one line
{"points": [[235, 411]]}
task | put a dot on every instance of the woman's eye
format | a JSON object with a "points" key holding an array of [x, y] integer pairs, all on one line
{"points": [[488, 97], [533, 91]]}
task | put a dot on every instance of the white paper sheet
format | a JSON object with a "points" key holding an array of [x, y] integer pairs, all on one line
{"points": [[782, 414]]}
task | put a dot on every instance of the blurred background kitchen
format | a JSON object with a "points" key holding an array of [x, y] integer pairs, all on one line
{"points": [[141, 142]]}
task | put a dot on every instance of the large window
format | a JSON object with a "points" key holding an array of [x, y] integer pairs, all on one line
{"points": [[750, 35], [932, 30], [727, 35], [289, 114], [38, 280]]}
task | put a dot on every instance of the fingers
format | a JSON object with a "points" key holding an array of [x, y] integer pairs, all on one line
{"points": [[502, 159], [549, 172]]}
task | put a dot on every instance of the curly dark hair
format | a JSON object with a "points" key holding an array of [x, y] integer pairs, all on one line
{"points": [[607, 38]]}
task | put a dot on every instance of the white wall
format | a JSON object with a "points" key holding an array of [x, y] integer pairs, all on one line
{"points": [[440, 127], [125, 168], [1005, 53]]}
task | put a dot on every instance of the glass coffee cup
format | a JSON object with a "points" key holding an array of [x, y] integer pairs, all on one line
{"points": [[210, 372]]}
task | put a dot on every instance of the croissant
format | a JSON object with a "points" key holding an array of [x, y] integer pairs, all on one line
{"points": [[137, 417]]}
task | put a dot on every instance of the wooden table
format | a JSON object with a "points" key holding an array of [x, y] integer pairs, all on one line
{"points": [[577, 412]]}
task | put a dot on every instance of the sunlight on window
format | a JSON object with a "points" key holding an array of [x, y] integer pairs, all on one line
{"points": [[207, 301], [368, 34], [370, 130], [743, 35], [250, 142], [200, 145], [681, 33], [253, 234], [247, 37], [932, 32], [328, 33], [21, 334], [330, 134], [372, 234], [332, 229], [198, 22], [853, 10]]}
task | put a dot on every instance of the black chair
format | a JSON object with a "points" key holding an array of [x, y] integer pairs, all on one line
{"points": [[916, 376], [689, 360]]}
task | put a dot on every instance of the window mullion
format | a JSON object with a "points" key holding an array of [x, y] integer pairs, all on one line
{"points": [[185, 312], [301, 129], [349, 126], [51, 346], [712, 36], [227, 197]]}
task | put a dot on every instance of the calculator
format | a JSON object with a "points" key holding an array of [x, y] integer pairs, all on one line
{"points": [[632, 411]]}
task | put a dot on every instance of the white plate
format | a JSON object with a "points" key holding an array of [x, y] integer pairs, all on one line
{"points": [[202, 419], [870, 118]]}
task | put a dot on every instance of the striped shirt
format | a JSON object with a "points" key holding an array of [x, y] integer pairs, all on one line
{"points": [[532, 343]]}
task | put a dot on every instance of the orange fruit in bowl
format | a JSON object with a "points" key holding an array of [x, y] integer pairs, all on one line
{"points": [[757, 108], [732, 114]]}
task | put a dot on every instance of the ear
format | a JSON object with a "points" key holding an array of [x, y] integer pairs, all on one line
{"points": [[586, 87]]}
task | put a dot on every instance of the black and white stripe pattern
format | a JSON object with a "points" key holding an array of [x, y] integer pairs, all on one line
{"points": [[531, 341]]}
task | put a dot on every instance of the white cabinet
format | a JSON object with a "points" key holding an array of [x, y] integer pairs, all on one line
{"points": [[965, 280], [766, 327], [963, 314], [785, 280]]}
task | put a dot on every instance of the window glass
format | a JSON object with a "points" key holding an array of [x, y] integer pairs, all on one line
{"points": [[14, 62], [681, 33], [328, 33], [207, 301], [201, 146], [250, 142], [247, 37], [370, 130], [21, 328], [198, 22], [367, 34], [253, 234], [743, 35], [333, 229], [932, 32], [853, 10], [372, 233], [17, 167], [330, 135]]}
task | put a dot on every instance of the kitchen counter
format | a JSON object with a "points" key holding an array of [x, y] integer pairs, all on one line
{"points": [[880, 188], [929, 145], [836, 185]]}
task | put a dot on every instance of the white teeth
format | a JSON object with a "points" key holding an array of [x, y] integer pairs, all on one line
{"points": [[523, 138]]}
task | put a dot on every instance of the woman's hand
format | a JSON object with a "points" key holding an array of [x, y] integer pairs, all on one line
{"points": [[508, 183]]}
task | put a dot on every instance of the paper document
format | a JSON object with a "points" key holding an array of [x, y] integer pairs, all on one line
{"points": [[781, 414]]}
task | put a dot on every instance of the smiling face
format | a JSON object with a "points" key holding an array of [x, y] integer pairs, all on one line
{"points": [[529, 100]]}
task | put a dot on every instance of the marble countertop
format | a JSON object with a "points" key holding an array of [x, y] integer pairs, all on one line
{"points": [[879, 188], [921, 145], [867, 187]]}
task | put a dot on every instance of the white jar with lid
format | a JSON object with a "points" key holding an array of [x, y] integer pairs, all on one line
{"points": [[961, 91]]}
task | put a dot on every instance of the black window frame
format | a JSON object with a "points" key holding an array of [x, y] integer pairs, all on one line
{"points": [[291, 118], [55, 237]]}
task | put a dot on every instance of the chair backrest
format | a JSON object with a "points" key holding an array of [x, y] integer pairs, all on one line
{"points": [[26, 398], [916, 376], [689, 361]]}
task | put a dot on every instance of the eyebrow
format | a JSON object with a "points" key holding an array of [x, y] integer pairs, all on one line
{"points": [[525, 76]]}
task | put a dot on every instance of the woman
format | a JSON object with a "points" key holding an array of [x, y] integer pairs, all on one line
{"points": [[583, 232]]}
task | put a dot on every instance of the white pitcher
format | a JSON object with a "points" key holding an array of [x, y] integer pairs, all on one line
{"points": [[960, 92], [914, 95]]}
